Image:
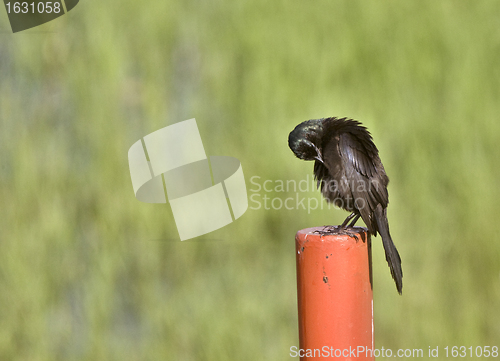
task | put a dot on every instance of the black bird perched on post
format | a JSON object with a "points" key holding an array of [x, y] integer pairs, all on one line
{"points": [[350, 174]]}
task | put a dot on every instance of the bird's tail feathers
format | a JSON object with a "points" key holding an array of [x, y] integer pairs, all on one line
{"points": [[391, 253]]}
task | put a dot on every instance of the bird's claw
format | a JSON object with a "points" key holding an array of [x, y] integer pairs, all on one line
{"points": [[329, 230]]}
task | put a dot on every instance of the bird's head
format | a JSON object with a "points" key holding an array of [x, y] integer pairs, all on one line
{"points": [[305, 140]]}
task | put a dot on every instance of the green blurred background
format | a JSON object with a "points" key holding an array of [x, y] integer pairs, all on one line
{"points": [[87, 272]]}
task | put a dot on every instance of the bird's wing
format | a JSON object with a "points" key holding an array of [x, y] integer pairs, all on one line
{"points": [[366, 175], [360, 154]]}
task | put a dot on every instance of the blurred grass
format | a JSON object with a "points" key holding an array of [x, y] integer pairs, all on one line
{"points": [[87, 272]]}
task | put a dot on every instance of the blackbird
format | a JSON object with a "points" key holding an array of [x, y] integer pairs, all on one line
{"points": [[350, 174]]}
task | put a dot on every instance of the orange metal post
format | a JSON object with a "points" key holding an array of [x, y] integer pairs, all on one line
{"points": [[335, 296]]}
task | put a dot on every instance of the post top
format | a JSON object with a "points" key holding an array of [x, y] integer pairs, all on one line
{"points": [[332, 233]]}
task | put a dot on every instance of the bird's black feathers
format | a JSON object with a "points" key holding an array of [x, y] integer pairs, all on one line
{"points": [[350, 174]]}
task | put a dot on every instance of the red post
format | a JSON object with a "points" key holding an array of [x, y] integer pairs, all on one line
{"points": [[335, 296]]}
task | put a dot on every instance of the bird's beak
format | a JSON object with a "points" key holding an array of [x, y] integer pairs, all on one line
{"points": [[318, 155]]}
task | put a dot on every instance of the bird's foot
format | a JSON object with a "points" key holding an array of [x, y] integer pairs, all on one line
{"points": [[329, 230], [348, 231]]}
